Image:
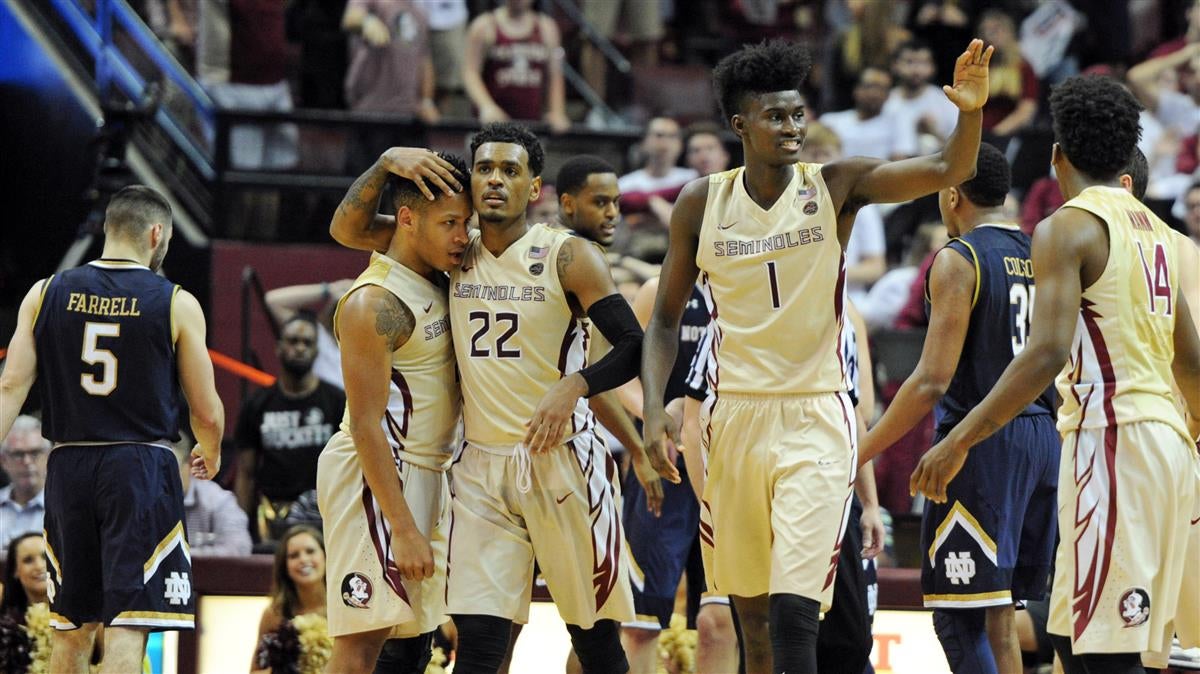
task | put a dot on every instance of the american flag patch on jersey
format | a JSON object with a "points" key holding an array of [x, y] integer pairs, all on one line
{"points": [[538, 252]]}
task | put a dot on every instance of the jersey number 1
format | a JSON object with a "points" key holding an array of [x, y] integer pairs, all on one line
{"points": [[94, 355], [774, 284]]}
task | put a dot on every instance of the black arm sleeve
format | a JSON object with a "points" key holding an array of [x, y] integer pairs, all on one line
{"points": [[614, 318]]}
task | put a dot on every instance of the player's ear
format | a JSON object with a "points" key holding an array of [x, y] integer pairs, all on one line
{"points": [[1055, 154], [567, 203], [952, 197], [157, 232], [405, 218], [535, 189], [738, 124]]}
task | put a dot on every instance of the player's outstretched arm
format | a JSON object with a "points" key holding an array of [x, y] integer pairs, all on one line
{"points": [[20, 366], [1186, 366], [857, 181], [371, 325], [357, 222], [661, 346], [196, 378], [1061, 244], [951, 286]]}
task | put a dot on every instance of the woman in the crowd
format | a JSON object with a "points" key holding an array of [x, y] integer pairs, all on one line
{"points": [[298, 585]]}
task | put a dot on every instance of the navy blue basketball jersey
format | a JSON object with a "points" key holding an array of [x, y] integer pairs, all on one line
{"points": [[1001, 308], [692, 326], [105, 355]]}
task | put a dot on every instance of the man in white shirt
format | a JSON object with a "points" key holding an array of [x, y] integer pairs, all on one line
{"points": [[1178, 111], [915, 99], [23, 456], [867, 130]]}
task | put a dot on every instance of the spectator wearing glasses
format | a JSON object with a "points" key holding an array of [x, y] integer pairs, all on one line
{"points": [[23, 456]]}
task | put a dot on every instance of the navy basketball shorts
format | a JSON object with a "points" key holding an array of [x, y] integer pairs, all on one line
{"points": [[659, 547], [115, 538], [992, 542]]}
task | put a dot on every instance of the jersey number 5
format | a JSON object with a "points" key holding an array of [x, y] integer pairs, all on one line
{"points": [[1158, 280], [93, 355]]}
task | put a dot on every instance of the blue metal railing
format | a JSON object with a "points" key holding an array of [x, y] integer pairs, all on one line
{"points": [[113, 70]]}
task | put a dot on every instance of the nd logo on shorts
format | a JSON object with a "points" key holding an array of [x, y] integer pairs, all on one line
{"points": [[356, 590], [1135, 606]]}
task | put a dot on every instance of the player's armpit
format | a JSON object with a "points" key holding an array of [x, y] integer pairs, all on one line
{"points": [[20, 364]]}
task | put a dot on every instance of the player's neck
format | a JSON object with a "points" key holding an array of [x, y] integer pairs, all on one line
{"points": [[408, 257], [115, 249], [991, 216], [765, 183], [1072, 182], [498, 236]]}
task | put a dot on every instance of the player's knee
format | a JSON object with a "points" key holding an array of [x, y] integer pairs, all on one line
{"points": [[963, 635], [795, 621], [482, 643], [599, 648], [638, 636], [404, 656], [714, 627]]}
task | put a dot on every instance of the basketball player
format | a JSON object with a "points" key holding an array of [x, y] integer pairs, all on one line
{"points": [[381, 480], [991, 544], [770, 239], [589, 206], [1109, 307], [112, 342]]}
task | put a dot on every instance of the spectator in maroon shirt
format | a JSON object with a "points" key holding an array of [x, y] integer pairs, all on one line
{"points": [[512, 68]]}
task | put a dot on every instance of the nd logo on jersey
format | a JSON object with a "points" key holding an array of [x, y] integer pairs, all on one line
{"points": [[178, 589], [960, 568]]}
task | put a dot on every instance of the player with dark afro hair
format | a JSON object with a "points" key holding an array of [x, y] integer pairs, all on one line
{"points": [[777, 65], [405, 192], [989, 187], [509, 132], [1095, 124]]}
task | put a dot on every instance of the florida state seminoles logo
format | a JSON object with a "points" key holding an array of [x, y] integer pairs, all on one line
{"points": [[356, 590], [1135, 606]]}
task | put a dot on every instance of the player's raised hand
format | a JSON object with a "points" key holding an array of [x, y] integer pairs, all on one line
{"points": [[935, 471], [420, 165], [413, 555], [547, 427], [205, 465], [659, 429], [650, 480], [970, 89]]}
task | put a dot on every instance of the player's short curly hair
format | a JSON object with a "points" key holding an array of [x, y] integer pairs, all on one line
{"points": [[992, 178], [406, 193], [1095, 124], [509, 132], [574, 173], [777, 65]]}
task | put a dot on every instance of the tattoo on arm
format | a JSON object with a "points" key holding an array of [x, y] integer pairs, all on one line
{"points": [[566, 255], [394, 320], [364, 193]]}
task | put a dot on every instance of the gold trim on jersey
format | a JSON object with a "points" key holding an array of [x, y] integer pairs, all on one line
{"points": [[987, 598], [171, 312], [975, 261], [961, 516], [37, 308], [172, 540], [52, 557], [153, 615]]}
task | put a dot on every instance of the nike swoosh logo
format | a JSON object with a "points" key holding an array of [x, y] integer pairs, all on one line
{"points": [[428, 307], [565, 497], [727, 226]]}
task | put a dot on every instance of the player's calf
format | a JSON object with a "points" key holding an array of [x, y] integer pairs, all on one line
{"points": [[70, 650], [599, 648], [356, 652], [1002, 636]]}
